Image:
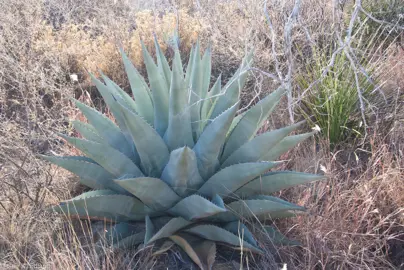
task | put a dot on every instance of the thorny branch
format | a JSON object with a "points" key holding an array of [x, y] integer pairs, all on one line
{"points": [[347, 51], [370, 16], [273, 42], [286, 81], [289, 57]]}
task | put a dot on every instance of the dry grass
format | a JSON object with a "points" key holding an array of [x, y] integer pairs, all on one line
{"points": [[356, 219], [356, 216]]}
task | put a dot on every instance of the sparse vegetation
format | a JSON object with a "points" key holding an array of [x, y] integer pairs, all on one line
{"points": [[356, 216], [390, 12]]}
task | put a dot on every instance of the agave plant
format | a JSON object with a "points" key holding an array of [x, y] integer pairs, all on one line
{"points": [[179, 160]]}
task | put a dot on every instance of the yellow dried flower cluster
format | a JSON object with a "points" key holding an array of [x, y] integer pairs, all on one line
{"points": [[148, 23], [77, 49]]}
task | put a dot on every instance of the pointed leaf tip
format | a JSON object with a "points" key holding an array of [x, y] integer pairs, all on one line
{"points": [[257, 148], [152, 150], [171, 227], [160, 92], [218, 234], [195, 207], [229, 179], [144, 188]]}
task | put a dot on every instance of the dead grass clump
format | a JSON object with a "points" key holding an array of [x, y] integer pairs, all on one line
{"points": [[394, 63], [32, 239], [164, 26], [356, 216]]}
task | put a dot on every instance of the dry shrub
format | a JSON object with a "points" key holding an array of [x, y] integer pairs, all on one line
{"points": [[81, 47], [164, 26], [33, 239], [76, 49], [394, 63], [356, 215]]}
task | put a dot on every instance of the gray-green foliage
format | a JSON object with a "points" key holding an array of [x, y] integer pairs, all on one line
{"points": [[179, 160]]}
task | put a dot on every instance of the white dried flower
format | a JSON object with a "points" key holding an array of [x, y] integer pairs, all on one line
{"points": [[316, 128], [323, 168], [74, 77]]}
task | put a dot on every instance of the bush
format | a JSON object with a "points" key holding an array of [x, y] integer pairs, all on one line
{"points": [[81, 47], [333, 103]]}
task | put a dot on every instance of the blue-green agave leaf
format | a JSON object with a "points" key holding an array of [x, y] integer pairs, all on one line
{"points": [[149, 230], [90, 173], [210, 100], [233, 88], [93, 193], [159, 91], [171, 227], [278, 200], [211, 141], [250, 122], [206, 64], [177, 60], [162, 247], [109, 158], [253, 208], [231, 178], [109, 99], [218, 234], [206, 251], [216, 199], [202, 252], [206, 68], [104, 207], [152, 150], [234, 124], [108, 131], [283, 214], [121, 230], [258, 147], [195, 207], [188, 73], [130, 241], [276, 181], [181, 172], [87, 131], [123, 235], [153, 192], [286, 144], [238, 228], [196, 92], [119, 94], [162, 62], [116, 234], [179, 131], [140, 90]]}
